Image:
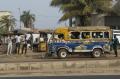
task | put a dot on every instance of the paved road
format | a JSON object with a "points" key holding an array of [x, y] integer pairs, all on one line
{"points": [[67, 77]]}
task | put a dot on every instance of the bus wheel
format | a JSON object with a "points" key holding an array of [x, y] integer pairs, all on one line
{"points": [[96, 53], [62, 53]]}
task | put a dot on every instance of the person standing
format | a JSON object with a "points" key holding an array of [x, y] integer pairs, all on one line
{"points": [[13, 45], [31, 41], [35, 45], [0, 41], [24, 46], [9, 49], [115, 45], [18, 41]]}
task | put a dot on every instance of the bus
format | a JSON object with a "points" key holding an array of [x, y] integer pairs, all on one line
{"points": [[93, 40]]}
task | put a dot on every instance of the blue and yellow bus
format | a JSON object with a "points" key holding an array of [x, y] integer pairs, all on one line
{"points": [[94, 41]]}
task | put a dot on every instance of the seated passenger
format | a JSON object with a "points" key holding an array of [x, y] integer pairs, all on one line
{"points": [[61, 39], [87, 36]]}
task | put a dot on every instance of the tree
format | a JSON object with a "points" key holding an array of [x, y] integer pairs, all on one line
{"points": [[116, 8], [7, 23], [103, 6], [28, 19], [80, 9]]}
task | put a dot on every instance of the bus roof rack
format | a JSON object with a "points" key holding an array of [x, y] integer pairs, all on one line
{"points": [[85, 28]]}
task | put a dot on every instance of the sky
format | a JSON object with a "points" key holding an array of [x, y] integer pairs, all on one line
{"points": [[46, 16]]}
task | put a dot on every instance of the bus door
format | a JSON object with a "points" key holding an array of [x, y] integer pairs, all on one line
{"points": [[43, 42], [75, 41], [82, 41], [85, 42]]}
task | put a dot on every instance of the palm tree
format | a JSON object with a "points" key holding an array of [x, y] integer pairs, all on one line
{"points": [[28, 19], [7, 23], [79, 9], [116, 8]]}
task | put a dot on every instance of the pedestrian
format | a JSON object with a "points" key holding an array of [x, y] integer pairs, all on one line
{"points": [[115, 45], [18, 41], [14, 45], [31, 40], [9, 49], [35, 45], [0, 41], [24, 46]]}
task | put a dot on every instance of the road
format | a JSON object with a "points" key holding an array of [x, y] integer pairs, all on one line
{"points": [[67, 77]]}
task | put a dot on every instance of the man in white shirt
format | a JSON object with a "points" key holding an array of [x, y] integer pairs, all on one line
{"points": [[35, 45], [9, 49], [31, 40], [24, 46], [18, 41]]}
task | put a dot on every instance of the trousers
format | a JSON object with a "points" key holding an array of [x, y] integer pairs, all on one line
{"points": [[9, 50]]}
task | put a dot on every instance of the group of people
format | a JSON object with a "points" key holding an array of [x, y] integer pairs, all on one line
{"points": [[18, 44], [14, 44]]}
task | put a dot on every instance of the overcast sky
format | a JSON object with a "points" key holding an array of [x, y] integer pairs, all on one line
{"points": [[46, 16]]}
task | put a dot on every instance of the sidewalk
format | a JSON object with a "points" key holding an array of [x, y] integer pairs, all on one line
{"points": [[30, 56]]}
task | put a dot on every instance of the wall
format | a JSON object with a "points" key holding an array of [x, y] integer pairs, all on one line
{"points": [[63, 67]]}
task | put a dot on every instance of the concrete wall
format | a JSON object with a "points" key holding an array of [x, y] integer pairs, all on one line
{"points": [[62, 67], [103, 20]]}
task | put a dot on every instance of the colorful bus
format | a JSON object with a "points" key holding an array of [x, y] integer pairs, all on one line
{"points": [[94, 41]]}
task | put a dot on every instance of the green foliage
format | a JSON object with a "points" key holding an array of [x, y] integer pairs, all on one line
{"points": [[7, 23], [28, 19], [59, 2], [3, 30], [81, 8], [116, 8], [103, 6]]}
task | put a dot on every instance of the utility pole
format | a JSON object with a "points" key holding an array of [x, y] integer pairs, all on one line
{"points": [[19, 17], [70, 19]]}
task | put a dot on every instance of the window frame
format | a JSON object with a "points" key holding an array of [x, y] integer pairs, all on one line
{"points": [[75, 38], [86, 32], [97, 32], [108, 34]]}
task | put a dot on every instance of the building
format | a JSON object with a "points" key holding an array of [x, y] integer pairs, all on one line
{"points": [[103, 20], [106, 20]]}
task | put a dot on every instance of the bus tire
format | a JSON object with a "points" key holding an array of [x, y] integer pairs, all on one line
{"points": [[96, 53], [62, 53]]}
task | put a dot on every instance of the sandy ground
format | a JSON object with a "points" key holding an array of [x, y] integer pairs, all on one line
{"points": [[39, 56]]}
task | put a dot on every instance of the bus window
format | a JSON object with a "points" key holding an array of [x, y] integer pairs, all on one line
{"points": [[60, 36], [75, 35], [97, 34], [85, 35], [106, 34]]}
